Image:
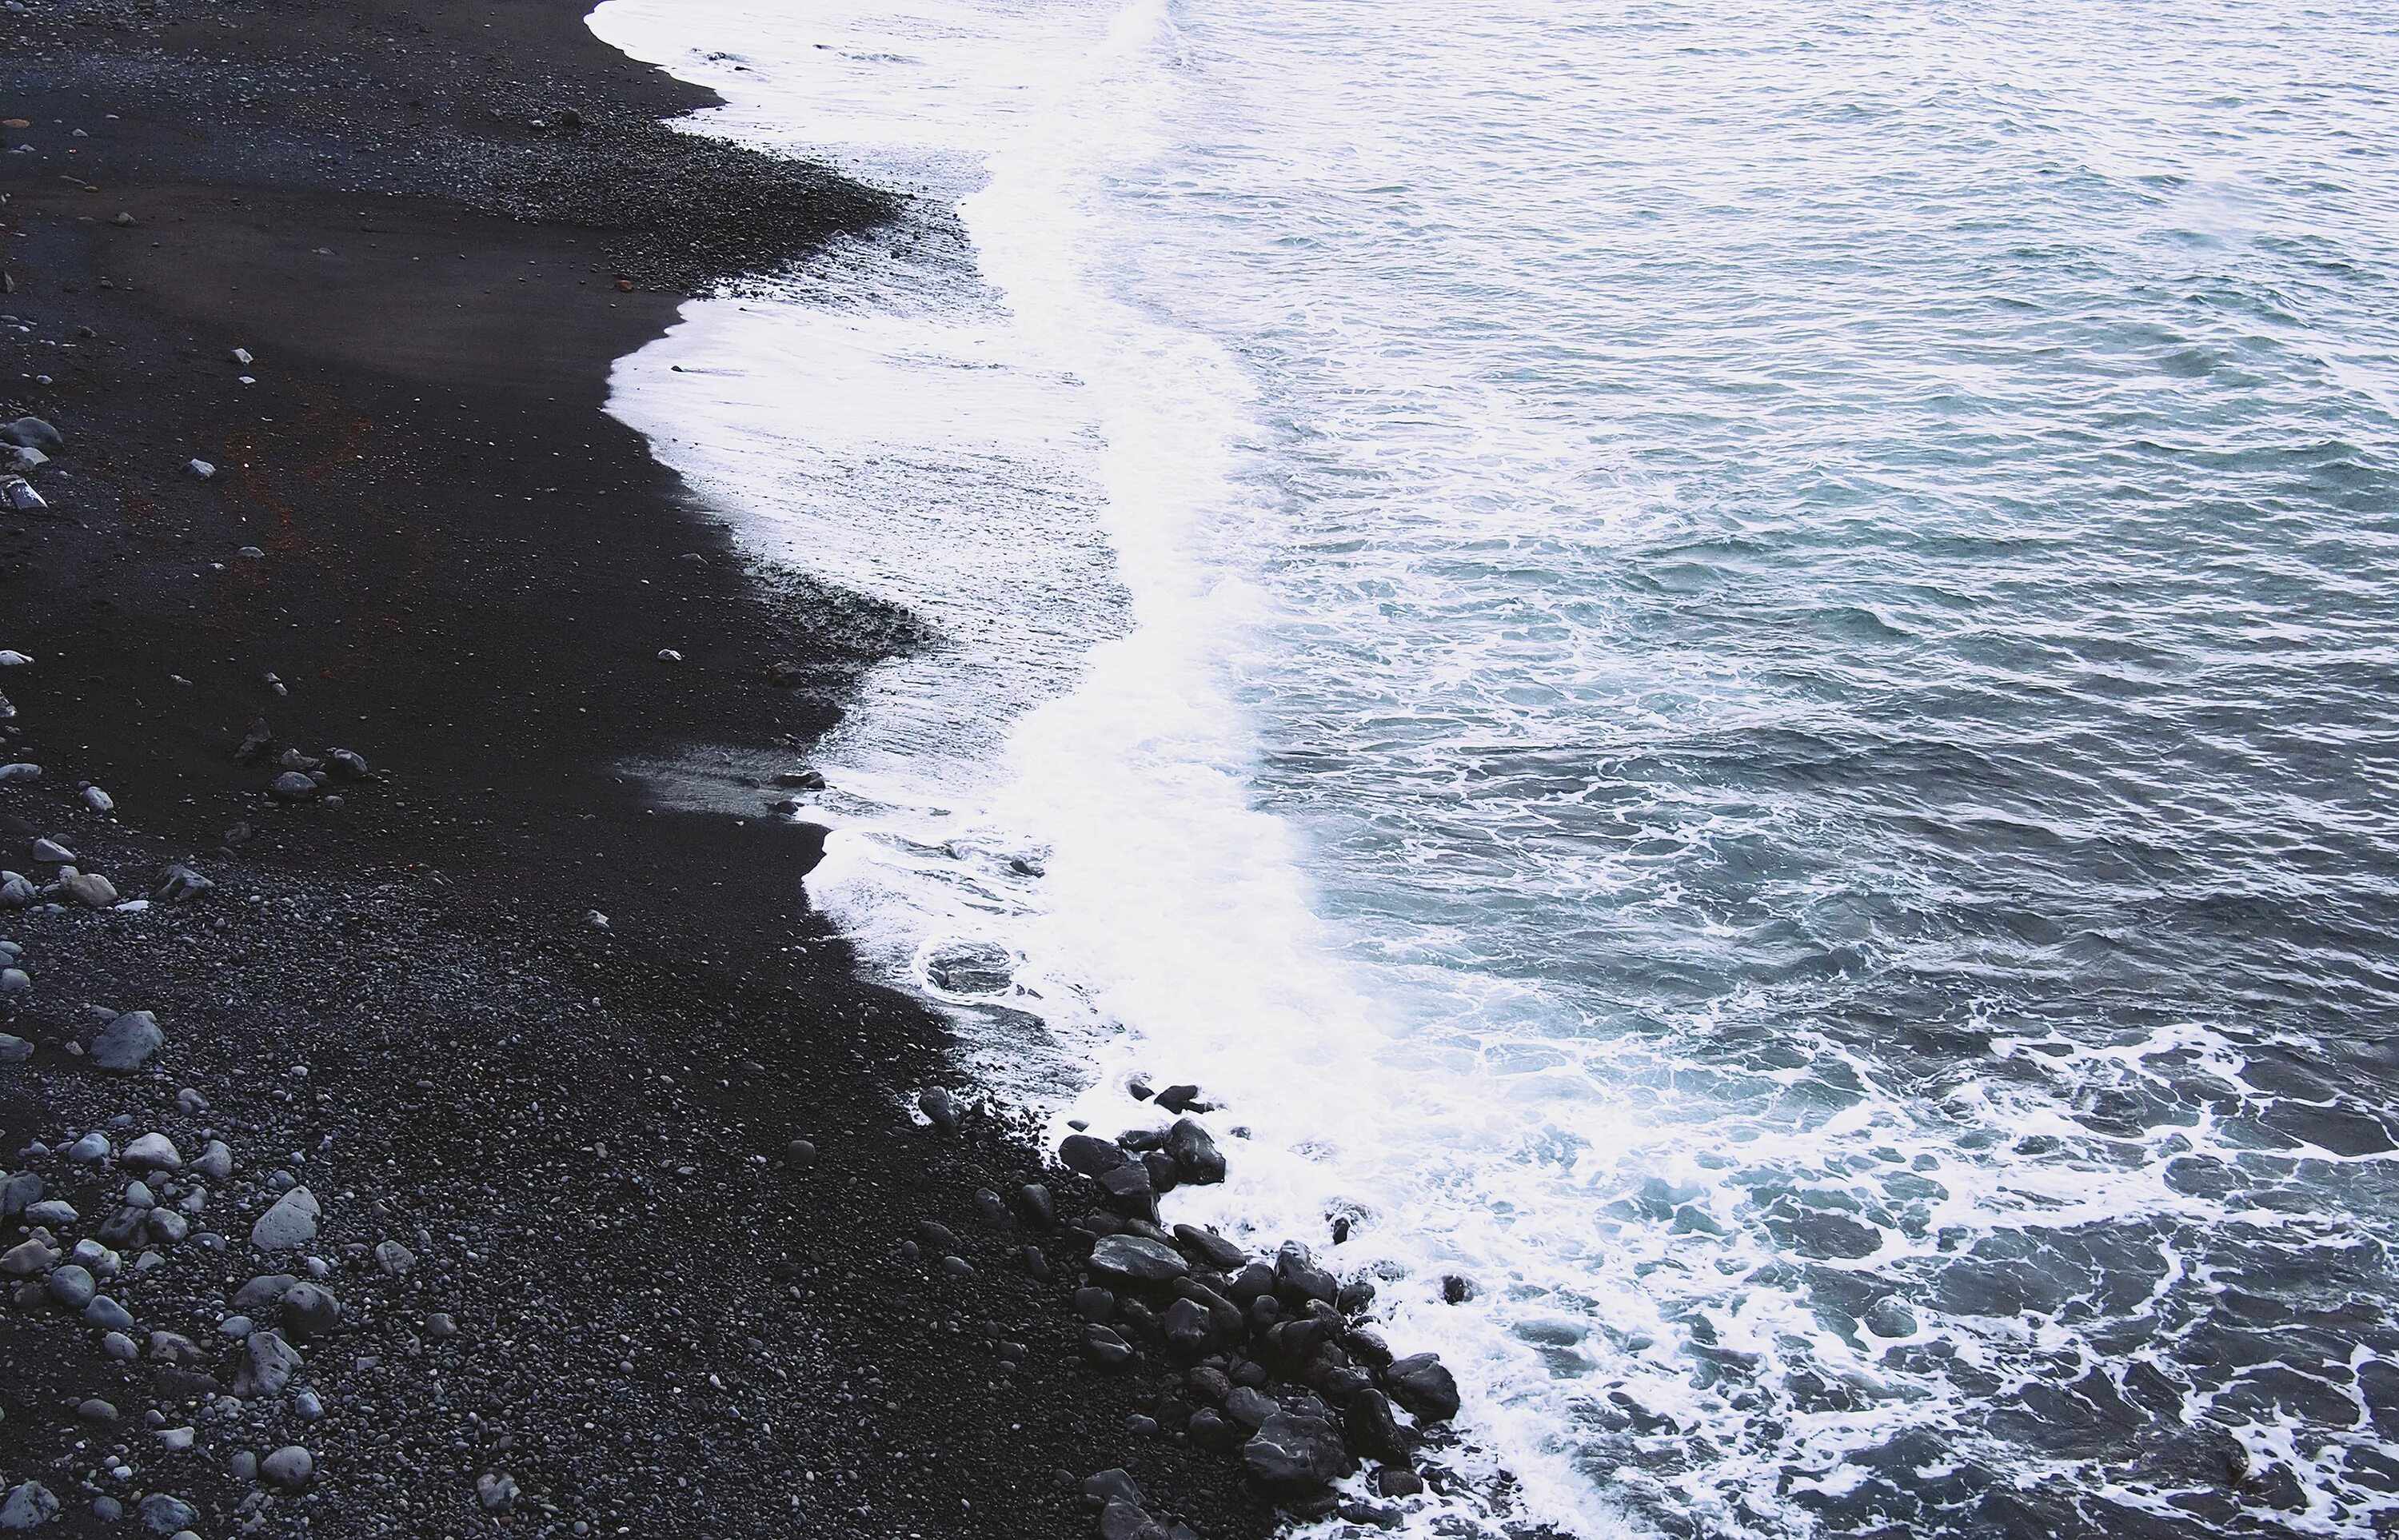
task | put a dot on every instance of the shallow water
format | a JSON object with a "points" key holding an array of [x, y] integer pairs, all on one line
{"points": [[1727, 667]]}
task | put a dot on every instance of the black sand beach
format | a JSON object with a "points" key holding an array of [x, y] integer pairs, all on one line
{"points": [[626, 1307]]}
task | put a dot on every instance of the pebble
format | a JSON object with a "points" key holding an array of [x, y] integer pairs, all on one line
{"points": [[394, 1259], [98, 800], [200, 468], [291, 786], [118, 1346], [13, 1050], [107, 1313], [941, 1108], [165, 1514], [51, 853], [310, 1310], [265, 1365], [177, 1439], [88, 888], [90, 1150]]}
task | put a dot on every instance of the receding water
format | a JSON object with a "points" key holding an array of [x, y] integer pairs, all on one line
{"points": [[1729, 668]]}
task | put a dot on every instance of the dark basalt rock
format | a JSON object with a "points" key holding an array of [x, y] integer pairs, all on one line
{"points": [[1188, 1329], [1195, 1153], [1370, 1428], [1421, 1385], [1112, 1485], [941, 1108], [1211, 1248], [1297, 1453], [1137, 1258], [1091, 1156], [1039, 1208], [1182, 1098]]}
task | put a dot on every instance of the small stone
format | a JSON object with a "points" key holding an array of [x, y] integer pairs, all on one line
{"points": [[18, 493], [33, 433], [17, 891], [177, 1439], [288, 1467], [97, 1410], [800, 1155], [243, 1467], [1211, 1248], [126, 1043], [98, 800], [394, 1259], [168, 1228], [200, 468], [164, 1515], [1295, 1455], [51, 853], [496, 1491], [261, 1293], [152, 1152], [118, 1346], [90, 1150], [13, 1049], [173, 1347], [288, 1225], [440, 1326], [1397, 1481], [293, 786]]}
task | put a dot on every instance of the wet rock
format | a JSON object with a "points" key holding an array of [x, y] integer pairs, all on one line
{"points": [[941, 1108], [1137, 1258], [1369, 1428], [1188, 1329], [1182, 1098], [289, 1224], [289, 1467], [1211, 1248], [1296, 1454], [152, 1152], [1195, 1153], [1164, 1175], [1298, 1280], [972, 967], [264, 1364], [126, 1043], [1421, 1385], [1397, 1481], [1129, 1191], [30, 1506], [1091, 1156]]}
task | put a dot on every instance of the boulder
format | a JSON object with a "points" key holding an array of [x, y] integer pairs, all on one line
{"points": [[1195, 1153], [288, 1225], [1137, 1258], [30, 1506], [1297, 1453], [1092, 1157], [126, 1043], [1421, 1385]]}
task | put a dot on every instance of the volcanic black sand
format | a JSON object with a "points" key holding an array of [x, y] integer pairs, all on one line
{"points": [[536, 1047]]}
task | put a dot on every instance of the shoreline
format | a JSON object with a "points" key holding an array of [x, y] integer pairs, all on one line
{"points": [[626, 1304]]}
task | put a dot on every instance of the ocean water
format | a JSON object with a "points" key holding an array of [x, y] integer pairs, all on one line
{"points": [[1726, 668]]}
